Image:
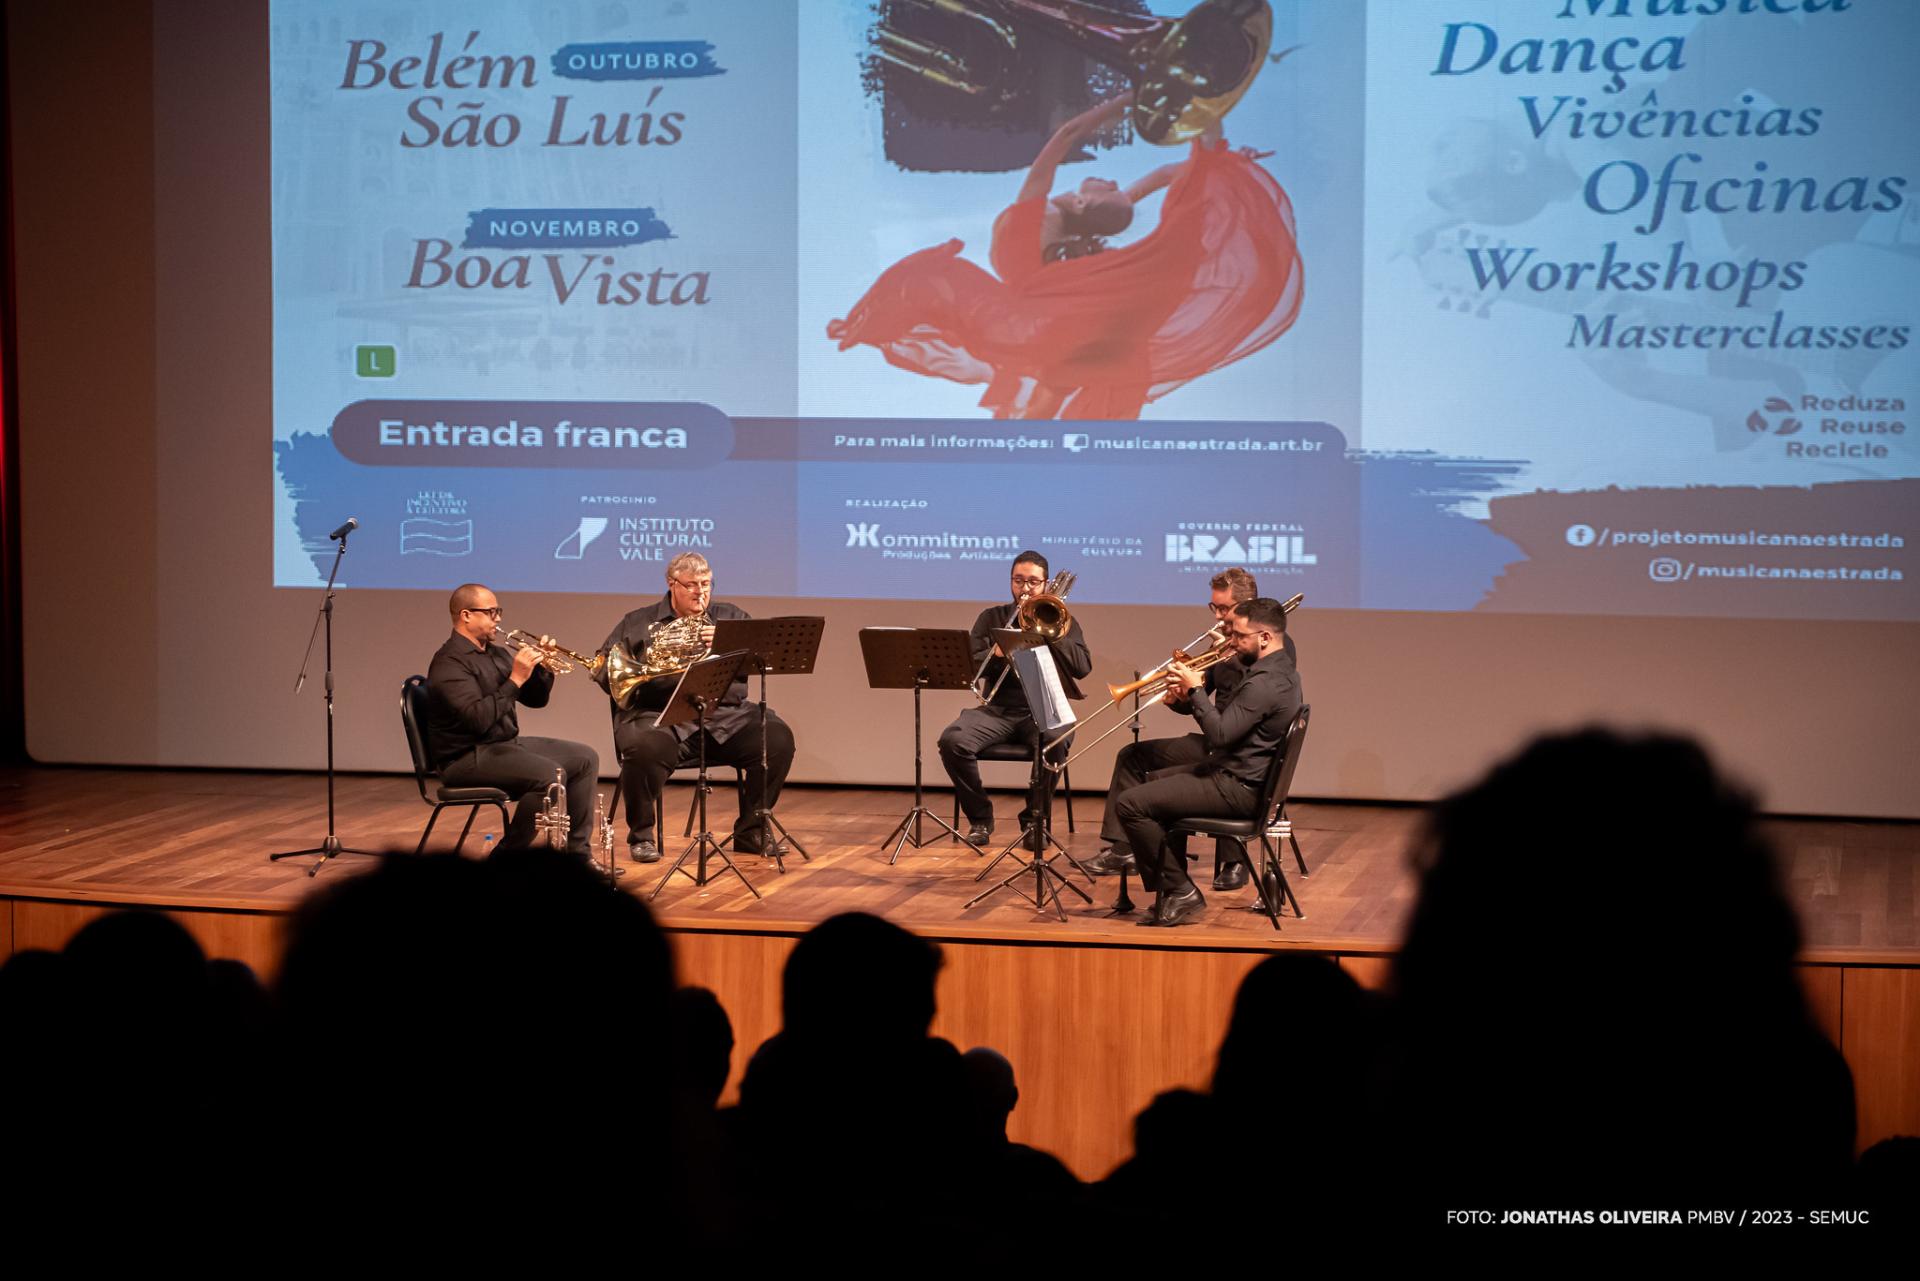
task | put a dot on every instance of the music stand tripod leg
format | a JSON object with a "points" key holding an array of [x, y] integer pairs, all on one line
{"points": [[908, 829], [704, 842], [769, 821]]}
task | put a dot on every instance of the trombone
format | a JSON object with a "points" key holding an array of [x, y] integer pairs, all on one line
{"points": [[1044, 614], [1220, 648]]}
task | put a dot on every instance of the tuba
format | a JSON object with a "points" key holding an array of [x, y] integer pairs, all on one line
{"points": [[1187, 72]]}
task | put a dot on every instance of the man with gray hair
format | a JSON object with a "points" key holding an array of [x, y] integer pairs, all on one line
{"points": [[733, 734]]}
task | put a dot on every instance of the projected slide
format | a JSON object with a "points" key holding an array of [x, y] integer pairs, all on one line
{"points": [[1533, 305]]}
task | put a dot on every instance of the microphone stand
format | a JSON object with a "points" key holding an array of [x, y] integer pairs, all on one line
{"points": [[330, 846]]}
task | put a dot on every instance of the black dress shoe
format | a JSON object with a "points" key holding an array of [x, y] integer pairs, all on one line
{"points": [[1177, 909], [643, 852], [979, 833], [754, 843], [1109, 862], [1229, 876]]}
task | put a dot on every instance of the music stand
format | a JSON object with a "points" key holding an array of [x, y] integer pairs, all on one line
{"points": [[774, 647], [1040, 681], [701, 686], [1123, 904], [916, 658]]}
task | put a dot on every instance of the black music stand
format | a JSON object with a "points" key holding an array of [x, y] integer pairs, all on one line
{"points": [[701, 686], [1035, 831], [330, 846], [774, 647], [1123, 904], [917, 658]]}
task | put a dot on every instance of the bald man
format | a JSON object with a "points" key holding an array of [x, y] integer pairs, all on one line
{"points": [[475, 688]]}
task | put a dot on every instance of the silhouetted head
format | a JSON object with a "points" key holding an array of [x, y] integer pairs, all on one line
{"points": [[703, 1038], [441, 962], [138, 965], [1293, 1003], [990, 1078], [860, 977], [1599, 975]]}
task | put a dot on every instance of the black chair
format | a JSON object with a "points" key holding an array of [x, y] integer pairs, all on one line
{"points": [[1269, 821], [1017, 753], [413, 719]]}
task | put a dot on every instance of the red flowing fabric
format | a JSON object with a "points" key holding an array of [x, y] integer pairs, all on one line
{"points": [[1099, 336]]}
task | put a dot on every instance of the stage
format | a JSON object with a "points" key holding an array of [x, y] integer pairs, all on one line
{"points": [[1095, 1013]]}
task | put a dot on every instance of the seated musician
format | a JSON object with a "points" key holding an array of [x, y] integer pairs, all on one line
{"points": [[474, 688], [1005, 718], [1137, 761], [1239, 738], [648, 755]]}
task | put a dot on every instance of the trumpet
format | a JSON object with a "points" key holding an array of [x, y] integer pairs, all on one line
{"points": [[1220, 649], [1044, 615], [1188, 72], [552, 823], [555, 657]]}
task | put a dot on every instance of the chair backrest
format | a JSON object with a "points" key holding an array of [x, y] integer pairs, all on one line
{"points": [[1285, 761], [413, 719]]}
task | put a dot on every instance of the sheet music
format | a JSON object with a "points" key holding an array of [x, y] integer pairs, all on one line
{"points": [[1046, 695]]}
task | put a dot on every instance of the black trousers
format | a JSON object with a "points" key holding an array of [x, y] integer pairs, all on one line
{"points": [[649, 755], [522, 768], [975, 730], [1134, 765], [1143, 812]]}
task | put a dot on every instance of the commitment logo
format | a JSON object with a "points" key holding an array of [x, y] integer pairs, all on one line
{"points": [[867, 533]]}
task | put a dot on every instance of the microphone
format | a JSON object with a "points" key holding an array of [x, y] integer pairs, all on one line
{"points": [[345, 529]]}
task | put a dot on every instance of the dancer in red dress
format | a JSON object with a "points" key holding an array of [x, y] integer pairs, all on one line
{"points": [[1068, 328]]}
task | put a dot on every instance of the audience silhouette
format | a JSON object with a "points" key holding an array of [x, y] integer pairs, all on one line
{"points": [[1596, 999], [1595, 1004]]}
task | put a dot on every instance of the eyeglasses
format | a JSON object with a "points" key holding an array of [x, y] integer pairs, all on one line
{"points": [[1222, 610], [1028, 582], [694, 585], [494, 612]]}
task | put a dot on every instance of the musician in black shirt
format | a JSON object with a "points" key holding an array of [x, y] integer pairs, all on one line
{"points": [[1006, 718], [1240, 738], [473, 728], [1136, 762], [648, 755]]}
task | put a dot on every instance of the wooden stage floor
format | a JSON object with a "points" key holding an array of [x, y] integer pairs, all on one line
{"points": [[1096, 1014], [199, 839]]}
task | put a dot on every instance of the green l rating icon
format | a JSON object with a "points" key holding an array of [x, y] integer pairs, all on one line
{"points": [[374, 362]]}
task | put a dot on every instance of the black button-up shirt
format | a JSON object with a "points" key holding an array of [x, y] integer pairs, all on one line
{"points": [[633, 631], [471, 700], [1224, 677], [1243, 734], [1070, 652]]}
